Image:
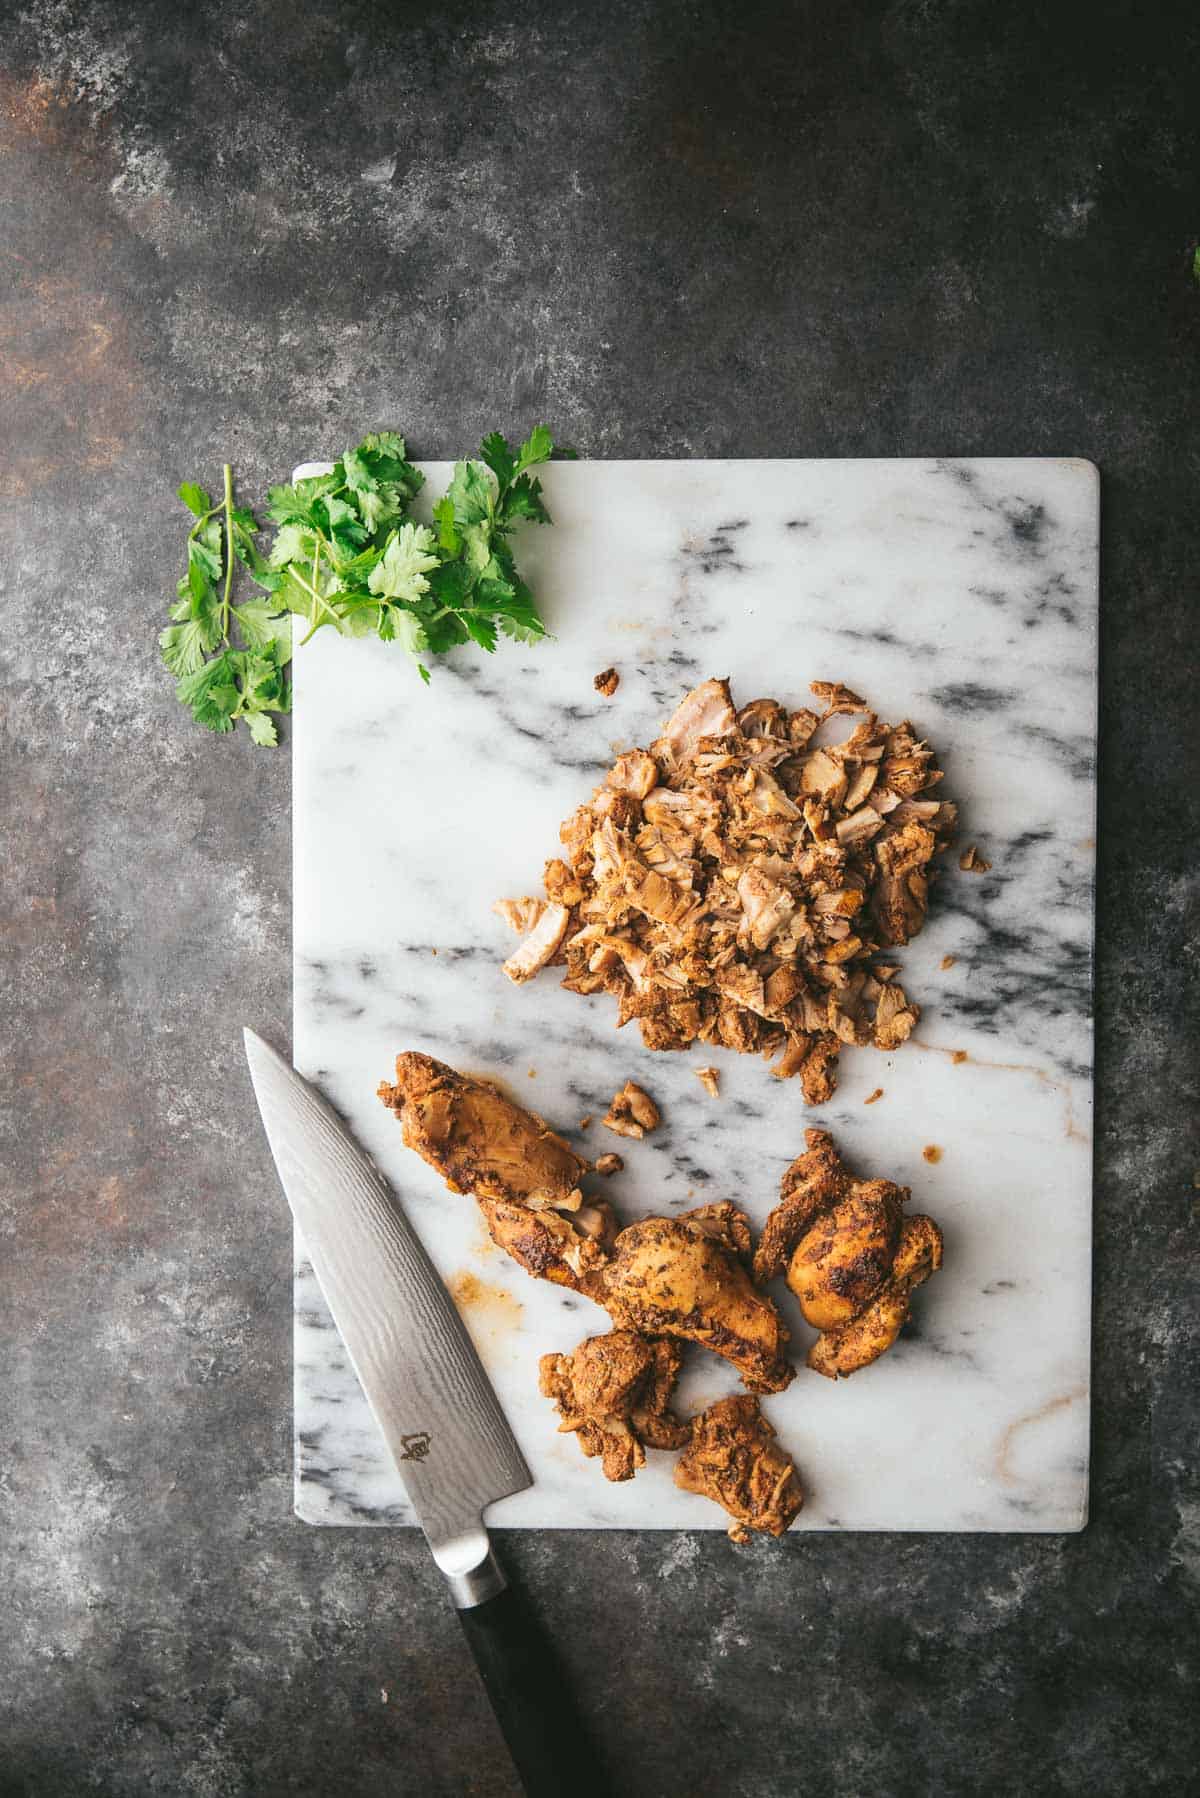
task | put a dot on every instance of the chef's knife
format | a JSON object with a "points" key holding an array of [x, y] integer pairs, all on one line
{"points": [[433, 1402]]}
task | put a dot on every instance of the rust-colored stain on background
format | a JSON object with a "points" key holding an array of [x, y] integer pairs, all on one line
{"points": [[69, 382], [492, 1306]]}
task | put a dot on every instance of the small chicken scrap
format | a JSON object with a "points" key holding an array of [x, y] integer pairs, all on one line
{"points": [[852, 1258], [523, 1175], [731, 884], [632, 1112], [733, 1458], [687, 1277], [614, 1392]]}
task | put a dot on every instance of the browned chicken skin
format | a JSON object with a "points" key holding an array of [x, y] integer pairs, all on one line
{"points": [[565, 1248], [479, 1141], [686, 1276], [843, 1258], [614, 1392], [873, 1331], [525, 1177], [852, 1259], [733, 1458]]}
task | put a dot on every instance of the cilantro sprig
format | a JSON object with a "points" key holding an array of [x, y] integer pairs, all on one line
{"points": [[229, 661], [348, 554]]}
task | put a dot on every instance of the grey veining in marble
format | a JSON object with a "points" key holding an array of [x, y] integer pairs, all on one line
{"points": [[962, 595]]}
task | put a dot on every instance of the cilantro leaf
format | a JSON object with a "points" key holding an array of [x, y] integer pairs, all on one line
{"points": [[356, 474], [497, 453], [405, 629], [292, 542], [261, 728], [537, 447], [207, 559], [524, 500], [406, 562], [195, 498], [210, 692], [443, 518], [184, 645], [291, 505], [482, 630], [470, 493], [261, 626]]}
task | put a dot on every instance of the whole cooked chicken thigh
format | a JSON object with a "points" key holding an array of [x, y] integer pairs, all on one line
{"points": [[734, 1459], [852, 1258], [479, 1141], [614, 1392], [524, 1176], [686, 1276]]}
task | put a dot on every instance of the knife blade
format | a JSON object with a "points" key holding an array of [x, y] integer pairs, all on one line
{"points": [[434, 1404]]}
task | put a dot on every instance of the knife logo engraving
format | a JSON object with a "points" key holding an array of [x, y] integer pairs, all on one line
{"points": [[415, 1447]]}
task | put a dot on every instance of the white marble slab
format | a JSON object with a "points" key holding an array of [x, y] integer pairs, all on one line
{"points": [[960, 594]]}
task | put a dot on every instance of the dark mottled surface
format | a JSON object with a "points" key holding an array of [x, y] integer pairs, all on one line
{"points": [[670, 229]]}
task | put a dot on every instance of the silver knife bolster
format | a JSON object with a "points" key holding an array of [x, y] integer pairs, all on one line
{"points": [[474, 1584]]}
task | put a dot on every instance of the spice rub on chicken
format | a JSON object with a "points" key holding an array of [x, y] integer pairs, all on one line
{"points": [[852, 1258], [687, 1277], [734, 883], [524, 1176], [614, 1392], [733, 1458]]}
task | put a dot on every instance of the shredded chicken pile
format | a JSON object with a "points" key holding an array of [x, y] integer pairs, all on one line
{"points": [[735, 883]]}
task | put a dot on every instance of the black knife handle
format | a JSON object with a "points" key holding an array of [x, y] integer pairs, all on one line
{"points": [[531, 1699]]}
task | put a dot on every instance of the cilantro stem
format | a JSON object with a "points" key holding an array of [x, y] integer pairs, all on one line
{"points": [[228, 550], [315, 590]]}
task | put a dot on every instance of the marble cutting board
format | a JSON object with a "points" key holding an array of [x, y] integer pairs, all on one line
{"points": [[960, 594]]}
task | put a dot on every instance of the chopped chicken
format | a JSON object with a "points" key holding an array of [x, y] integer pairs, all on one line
{"points": [[710, 1080], [707, 712], [609, 1164], [479, 1141], [607, 683], [541, 946], [686, 1276], [733, 1458], [567, 1248], [636, 773], [837, 698], [734, 884], [852, 1258], [971, 862], [520, 915], [614, 1393], [632, 1112]]}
